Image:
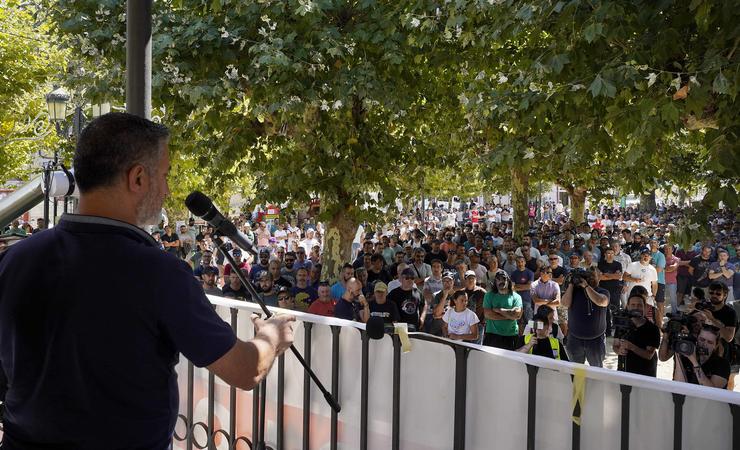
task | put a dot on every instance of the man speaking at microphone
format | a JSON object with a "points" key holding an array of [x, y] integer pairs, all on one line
{"points": [[89, 347]]}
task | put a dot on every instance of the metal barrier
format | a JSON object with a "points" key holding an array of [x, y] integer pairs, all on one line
{"points": [[441, 395]]}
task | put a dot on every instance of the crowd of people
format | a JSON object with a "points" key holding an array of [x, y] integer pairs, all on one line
{"points": [[558, 292]]}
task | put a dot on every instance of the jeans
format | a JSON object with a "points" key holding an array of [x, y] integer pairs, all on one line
{"points": [[672, 291], [593, 350]]}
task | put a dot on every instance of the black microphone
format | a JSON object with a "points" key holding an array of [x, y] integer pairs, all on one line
{"points": [[199, 204], [375, 327]]}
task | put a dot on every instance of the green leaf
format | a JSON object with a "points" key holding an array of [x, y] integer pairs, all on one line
{"points": [[669, 114], [596, 86], [720, 84], [609, 89], [593, 30]]}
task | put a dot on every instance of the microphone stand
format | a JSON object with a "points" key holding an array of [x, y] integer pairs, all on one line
{"points": [[258, 298]]}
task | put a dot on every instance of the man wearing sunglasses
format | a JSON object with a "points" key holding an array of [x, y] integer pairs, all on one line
{"points": [[721, 315]]}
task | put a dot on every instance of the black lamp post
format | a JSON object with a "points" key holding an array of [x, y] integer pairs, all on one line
{"points": [[56, 102]]}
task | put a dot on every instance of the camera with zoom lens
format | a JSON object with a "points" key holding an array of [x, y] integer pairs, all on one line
{"points": [[703, 305], [679, 341], [622, 322], [576, 275]]}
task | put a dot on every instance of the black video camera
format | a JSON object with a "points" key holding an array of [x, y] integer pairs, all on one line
{"points": [[622, 322], [576, 275], [702, 303], [679, 341]]}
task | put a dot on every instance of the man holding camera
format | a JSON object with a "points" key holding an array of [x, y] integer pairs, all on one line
{"points": [[540, 341], [703, 366], [587, 304], [718, 313], [639, 340]]}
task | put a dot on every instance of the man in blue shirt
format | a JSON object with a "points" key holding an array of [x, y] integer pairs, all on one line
{"points": [[88, 349]]}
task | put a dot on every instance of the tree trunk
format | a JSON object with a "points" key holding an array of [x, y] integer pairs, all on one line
{"points": [[647, 201], [337, 250], [519, 202], [577, 204]]}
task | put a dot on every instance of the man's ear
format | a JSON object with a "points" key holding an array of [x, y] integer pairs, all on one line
{"points": [[137, 178]]}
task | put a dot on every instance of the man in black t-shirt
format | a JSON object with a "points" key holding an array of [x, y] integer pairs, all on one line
{"points": [[587, 304], [721, 315], [610, 277], [408, 300], [234, 288], [381, 307], [699, 268], [171, 241], [704, 366], [639, 345]]}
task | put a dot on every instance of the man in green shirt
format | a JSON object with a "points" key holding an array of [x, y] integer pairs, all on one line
{"points": [[502, 308]]}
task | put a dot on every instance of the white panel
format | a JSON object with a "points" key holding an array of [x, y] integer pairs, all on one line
{"points": [[427, 408], [553, 419], [497, 403], [380, 398], [350, 377]]}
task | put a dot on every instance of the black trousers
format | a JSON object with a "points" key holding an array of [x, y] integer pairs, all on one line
{"points": [[498, 341]]}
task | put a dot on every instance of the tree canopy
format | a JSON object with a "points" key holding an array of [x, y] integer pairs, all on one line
{"points": [[28, 63], [342, 100]]}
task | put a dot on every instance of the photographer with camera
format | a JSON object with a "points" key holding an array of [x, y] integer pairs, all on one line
{"points": [[703, 365], [540, 341], [587, 304], [636, 338], [717, 312]]}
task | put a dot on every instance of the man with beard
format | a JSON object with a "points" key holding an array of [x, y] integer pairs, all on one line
{"points": [[289, 270], [262, 266], [337, 290], [640, 343], [502, 309], [302, 292], [435, 252], [721, 315], [210, 276], [121, 165]]}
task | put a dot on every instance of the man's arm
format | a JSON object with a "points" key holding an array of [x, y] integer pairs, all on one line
{"points": [[664, 352], [567, 299], [597, 298], [725, 332], [644, 353], [493, 314], [654, 287], [247, 363]]}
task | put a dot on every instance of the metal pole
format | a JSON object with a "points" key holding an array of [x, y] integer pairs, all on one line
{"points": [[139, 57]]}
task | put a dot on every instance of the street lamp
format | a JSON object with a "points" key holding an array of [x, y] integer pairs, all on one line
{"points": [[100, 109], [56, 102]]}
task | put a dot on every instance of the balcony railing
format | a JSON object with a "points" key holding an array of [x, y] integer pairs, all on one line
{"points": [[441, 395]]}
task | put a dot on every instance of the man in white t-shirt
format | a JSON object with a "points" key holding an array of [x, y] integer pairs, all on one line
{"points": [[641, 273], [461, 323]]}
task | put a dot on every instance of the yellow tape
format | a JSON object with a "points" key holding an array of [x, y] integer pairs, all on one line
{"points": [[579, 393], [402, 330]]}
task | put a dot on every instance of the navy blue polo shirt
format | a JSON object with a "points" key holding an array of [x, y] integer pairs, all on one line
{"points": [[92, 319]]}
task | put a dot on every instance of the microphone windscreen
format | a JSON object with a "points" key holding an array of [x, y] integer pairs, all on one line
{"points": [[375, 327], [198, 203]]}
